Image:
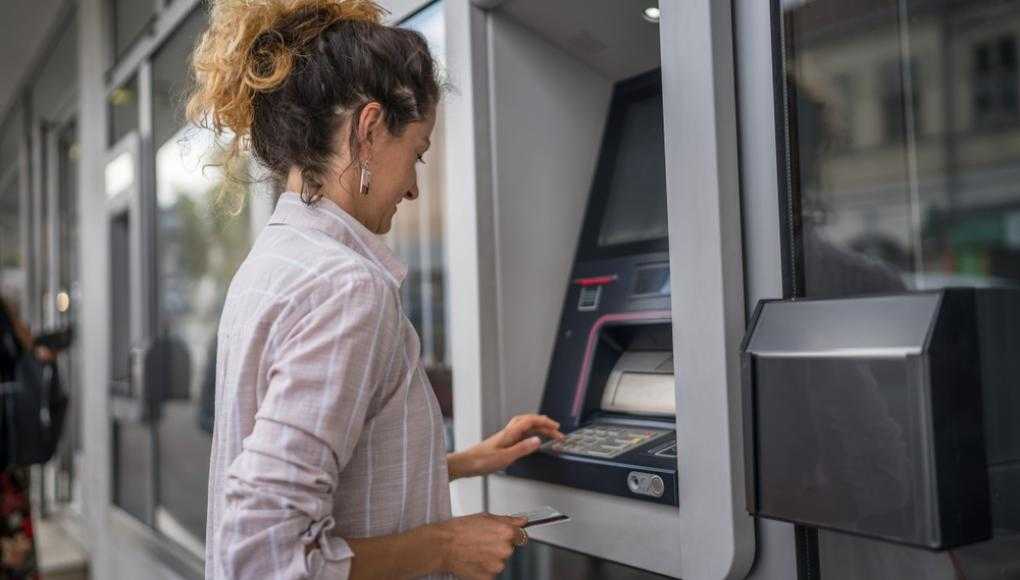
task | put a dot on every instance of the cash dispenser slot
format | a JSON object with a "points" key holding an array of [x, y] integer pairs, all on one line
{"points": [[881, 416]]}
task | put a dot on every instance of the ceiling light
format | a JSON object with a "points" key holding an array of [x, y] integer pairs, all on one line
{"points": [[63, 302], [651, 14]]}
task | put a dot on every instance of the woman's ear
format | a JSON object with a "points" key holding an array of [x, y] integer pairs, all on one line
{"points": [[369, 121]]}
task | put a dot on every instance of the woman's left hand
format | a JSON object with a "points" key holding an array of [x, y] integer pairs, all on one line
{"points": [[517, 439]]}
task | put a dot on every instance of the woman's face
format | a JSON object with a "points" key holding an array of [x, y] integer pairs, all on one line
{"points": [[393, 161]]}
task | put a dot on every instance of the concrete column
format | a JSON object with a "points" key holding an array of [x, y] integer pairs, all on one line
{"points": [[95, 296]]}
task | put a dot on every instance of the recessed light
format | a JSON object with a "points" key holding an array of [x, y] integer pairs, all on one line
{"points": [[651, 14], [63, 302]]}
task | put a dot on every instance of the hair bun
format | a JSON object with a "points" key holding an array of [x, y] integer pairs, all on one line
{"points": [[251, 46]]}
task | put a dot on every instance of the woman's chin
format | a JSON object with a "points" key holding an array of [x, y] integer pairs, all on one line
{"points": [[385, 226]]}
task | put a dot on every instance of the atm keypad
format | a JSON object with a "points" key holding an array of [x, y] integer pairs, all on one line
{"points": [[604, 441]]}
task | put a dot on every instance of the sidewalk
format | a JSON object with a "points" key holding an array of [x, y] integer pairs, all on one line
{"points": [[61, 557]]}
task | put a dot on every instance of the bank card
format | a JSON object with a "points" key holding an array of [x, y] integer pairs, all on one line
{"points": [[542, 516]]}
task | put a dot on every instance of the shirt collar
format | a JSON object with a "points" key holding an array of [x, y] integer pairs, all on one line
{"points": [[329, 218]]}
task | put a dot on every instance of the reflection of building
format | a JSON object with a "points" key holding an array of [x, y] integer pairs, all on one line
{"points": [[909, 161]]}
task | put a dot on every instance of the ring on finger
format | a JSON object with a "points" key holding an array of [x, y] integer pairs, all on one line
{"points": [[523, 540]]}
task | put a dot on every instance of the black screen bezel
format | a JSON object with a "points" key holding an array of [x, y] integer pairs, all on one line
{"points": [[626, 92]]}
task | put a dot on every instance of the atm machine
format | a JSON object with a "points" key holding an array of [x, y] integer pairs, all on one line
{"points": [[854, 420], [564, 276], [611, 382]]}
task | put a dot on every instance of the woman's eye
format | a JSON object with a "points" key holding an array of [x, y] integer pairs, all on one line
{"points": [[420, 160]]}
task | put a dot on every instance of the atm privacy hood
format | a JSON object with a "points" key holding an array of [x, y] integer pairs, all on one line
{"points": [[892, 417]]}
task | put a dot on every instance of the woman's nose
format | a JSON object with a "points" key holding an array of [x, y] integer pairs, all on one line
{"points": [[413, 192]]}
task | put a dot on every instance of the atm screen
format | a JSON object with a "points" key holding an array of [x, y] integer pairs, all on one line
{"points": [[636, 207]]}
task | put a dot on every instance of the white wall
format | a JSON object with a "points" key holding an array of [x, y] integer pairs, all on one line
{"points": [[548, 113]]}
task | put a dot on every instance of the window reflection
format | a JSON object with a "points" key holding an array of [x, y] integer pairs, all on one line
{"points": [[130, 18], [122, 105], [201, 242], [904, 142], [417, 237], [994, 97], [65, 305], [12, 251]]}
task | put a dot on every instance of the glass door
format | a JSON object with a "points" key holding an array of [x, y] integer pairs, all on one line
{"points": [[66, 295], [57, 290], [178, 231], [130, 355], [900, 148], [204, 226]]}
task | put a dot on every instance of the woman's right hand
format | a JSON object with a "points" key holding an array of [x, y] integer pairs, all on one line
{"points": [[476, 547]]}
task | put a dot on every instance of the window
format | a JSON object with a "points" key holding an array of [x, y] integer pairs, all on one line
{"points": [[895, 104], [994, 94], [903, 212], [417, 237], [122, 105], [130, 18], [918, 213], [842, 118], [199, 245], [66, 300], [12, 249]]}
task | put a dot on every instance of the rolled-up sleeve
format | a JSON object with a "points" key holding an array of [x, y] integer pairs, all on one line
{"points": [[280, 490]]}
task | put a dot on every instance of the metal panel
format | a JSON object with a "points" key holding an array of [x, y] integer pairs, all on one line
{"points": [[611, 37], [52, 193], [717, 535], [759, 166], [546, 134], [35, 262], [635, 533], [470, 251], [25, 203], [147, 222]]}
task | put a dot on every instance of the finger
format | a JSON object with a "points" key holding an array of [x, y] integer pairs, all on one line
{"points": [[536, 421], [548, 432], [551, 422], [514, 521], [519, 426], [520, 449]]}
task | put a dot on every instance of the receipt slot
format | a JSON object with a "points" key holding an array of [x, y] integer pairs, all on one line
{"points": [[886, 416]]}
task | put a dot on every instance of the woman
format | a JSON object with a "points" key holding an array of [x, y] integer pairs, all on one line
{"points": [[17, 537], [328, 458]]}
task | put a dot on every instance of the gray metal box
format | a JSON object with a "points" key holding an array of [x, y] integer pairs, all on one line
{"points": [[868, 415]]}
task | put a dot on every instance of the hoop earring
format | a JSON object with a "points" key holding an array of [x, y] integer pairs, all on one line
{"points": [[366, 178]]}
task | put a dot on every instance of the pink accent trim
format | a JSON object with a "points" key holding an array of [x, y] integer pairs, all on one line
{"points": [[582, 382], [596, 280]]}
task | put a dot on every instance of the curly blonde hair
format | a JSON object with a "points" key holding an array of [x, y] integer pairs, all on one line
{"points": [[283, 75]]}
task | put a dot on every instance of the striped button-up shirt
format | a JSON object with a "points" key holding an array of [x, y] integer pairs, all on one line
{"points": [[326, 425]]}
